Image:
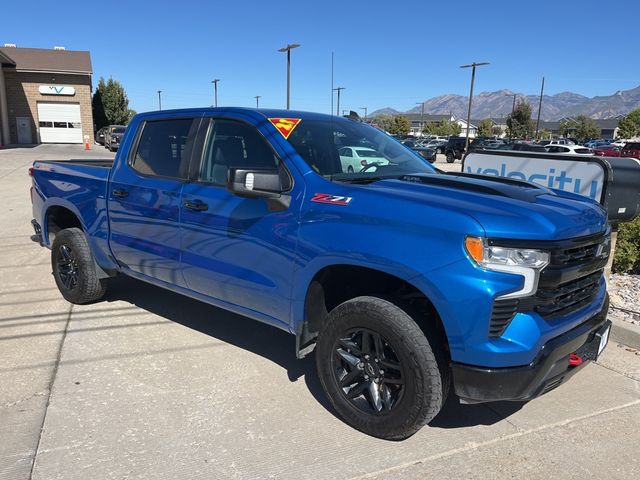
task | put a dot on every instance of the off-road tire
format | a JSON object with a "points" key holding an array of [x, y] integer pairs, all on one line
{"points": [[450, 157], [70, 246], [424, 383]]}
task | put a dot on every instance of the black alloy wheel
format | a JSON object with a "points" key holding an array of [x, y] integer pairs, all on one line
{"points": [[368, 371], [74, 267], [67, 267], [378, 369]]}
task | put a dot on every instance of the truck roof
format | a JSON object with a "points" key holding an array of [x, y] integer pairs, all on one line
{"points": [[265, 112]]}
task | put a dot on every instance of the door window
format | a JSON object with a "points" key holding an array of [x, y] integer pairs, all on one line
{"points": [[164, 148], [233, 144]]}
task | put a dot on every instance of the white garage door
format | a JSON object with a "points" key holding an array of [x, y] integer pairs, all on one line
{"points": [[59, 122]]}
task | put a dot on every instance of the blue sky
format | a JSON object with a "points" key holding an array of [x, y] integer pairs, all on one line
{"points": [[386, 53]]}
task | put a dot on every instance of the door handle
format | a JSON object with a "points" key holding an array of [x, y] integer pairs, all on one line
{"points": [[120, 193], [197, 205]]}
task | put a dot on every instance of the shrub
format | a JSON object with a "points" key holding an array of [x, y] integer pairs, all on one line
{"points": [[627, 256]]}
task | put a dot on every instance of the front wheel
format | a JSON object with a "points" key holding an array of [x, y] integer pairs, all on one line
{"points": [[74, 269], [378, 369], [450, 157]]}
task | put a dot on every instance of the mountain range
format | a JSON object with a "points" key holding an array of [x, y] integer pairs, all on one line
{"points": [[554, 107]]}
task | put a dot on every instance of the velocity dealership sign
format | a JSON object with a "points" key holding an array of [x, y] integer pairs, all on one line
{"points": [[585, 176]]}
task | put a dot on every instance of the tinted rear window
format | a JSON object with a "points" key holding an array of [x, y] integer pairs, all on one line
{"points": [[164, 148]]}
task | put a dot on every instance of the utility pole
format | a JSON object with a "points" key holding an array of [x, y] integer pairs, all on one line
{"points": [[514, 95], [539, 108], [365, 112], [421, 116], [159, 99], [473, 79], [257, 97], [331, 84], [215, 91], [338, 89], [288, 49]]}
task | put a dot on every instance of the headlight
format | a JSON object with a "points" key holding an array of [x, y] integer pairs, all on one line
{"points": [[520, 261]]}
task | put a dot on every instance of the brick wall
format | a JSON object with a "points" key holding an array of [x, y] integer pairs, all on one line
{"points": [[23, 95]]}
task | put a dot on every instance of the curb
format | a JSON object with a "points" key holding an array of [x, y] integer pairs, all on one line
{"points": [[625, 333]]}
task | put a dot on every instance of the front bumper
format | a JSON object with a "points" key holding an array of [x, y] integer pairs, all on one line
{"points": [[548, 370]]}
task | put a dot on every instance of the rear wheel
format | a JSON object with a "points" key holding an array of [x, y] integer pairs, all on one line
{"points": [[378, 368], [349, 169], [74, 268]]}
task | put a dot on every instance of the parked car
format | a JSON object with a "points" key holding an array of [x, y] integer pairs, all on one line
{"points": [[562, 141], [607, 151], [100, 135], [427, 153], [354, 159], [484, 144], [596, 143], [631, 149], [523, 147], [569, 149], [419, 147], [437, 144], [113, 137], [454, 148], [402, 279]]}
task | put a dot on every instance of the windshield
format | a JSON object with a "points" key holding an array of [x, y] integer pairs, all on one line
{"points": [[318, 143], [118, 130]]}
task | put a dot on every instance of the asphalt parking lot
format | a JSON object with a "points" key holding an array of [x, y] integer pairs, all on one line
{"points": [[149, 384]]}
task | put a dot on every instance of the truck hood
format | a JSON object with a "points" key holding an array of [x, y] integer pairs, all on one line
{"points": [[505, 208]]}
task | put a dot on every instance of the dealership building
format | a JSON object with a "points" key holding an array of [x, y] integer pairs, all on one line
{"points": [[45, 96]]}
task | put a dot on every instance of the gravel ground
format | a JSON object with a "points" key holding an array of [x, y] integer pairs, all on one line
{"points": [[625, 297]]}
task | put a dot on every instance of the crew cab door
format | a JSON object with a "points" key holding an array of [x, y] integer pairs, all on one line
{"points": [[235, 249], [144, 198]]}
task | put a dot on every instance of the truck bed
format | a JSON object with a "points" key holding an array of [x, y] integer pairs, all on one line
{"points": [[90, 162]]}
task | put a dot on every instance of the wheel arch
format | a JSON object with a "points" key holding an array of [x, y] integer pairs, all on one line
{"points": [[334, 284], [58, 217]]}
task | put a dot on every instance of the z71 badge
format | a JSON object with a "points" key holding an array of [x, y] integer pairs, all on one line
{"points": [[332, 199]]}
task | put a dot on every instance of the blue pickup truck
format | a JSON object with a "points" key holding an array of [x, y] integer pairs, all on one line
{"points": [[408, 282]]}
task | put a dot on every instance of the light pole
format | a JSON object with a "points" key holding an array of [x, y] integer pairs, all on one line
{"points": [[473, 79], [514, 95], [288, 49], [257, 97], [365, 112], [422, 116], [159, 99], [539, 108], [215, 91], [338, 89]]}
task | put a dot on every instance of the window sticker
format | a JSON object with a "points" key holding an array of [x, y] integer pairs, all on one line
{"points": [[285, 125]]}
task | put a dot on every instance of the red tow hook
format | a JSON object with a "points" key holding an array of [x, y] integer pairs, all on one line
{"points": [[575, 360]]}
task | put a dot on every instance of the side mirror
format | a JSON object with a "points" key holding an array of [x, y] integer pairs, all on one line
{"points": [[255, 183]]}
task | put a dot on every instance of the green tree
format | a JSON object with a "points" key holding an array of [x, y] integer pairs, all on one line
{"points": [[544, 134], [400, 125], [442, 128], [384, 122], [110, 104], [565, 127], [629, 126], [519, 122], [586, 128], [485, 127]]}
